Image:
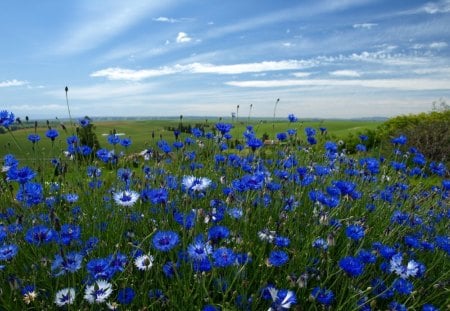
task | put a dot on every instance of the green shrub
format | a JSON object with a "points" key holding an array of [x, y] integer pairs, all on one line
{"points": [[428, 132]]}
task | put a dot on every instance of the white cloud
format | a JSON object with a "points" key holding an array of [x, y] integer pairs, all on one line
{"points": [[397, 84], [365, 25], [164, 19], [116, 73], [182, 37], [301, 74], [250, 67], [345, 73], [14, 82], [438, 45], [436, 7]]}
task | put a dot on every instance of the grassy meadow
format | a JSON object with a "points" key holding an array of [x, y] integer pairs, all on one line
{"points": [[215, 219]]}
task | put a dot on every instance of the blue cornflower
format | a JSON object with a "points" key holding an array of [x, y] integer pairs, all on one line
{"points": [[34, 138], [282, 299], [291, 132], [99, 268], [126, 142], [277, 258], [187, 220], [199, 250], [254, 143], [320, 244], [235, 212], [211, 308], [156, 196], [323, 296], [292, 118], [363, 137], [223, 257], [71, 197], [310, 131], [397, 306], [21, 175], [400, 140], [282, 241], [9, 161], [113, 139], [224, 127], [165, 240], [443, 242], [311, 140], [8, 252], [429, 307], [126, 295], [202, 266], [69, 233], [68, 263], [178, 145], [169, 269], [52, 134], [6, 118], [281, 136], [104, 155], [197, 132], [217, 233], [354, 232], [367, 256], [353, 266], [40, 234], [402, 286], [83, 122], [157, 294]]}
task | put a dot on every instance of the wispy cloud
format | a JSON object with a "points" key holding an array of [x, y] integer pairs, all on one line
{"points": [[438, 45], [183, 37], [435, 7], [201, 68], [301, 74], [11, 83], [99, 23], [301, 11], [396, 84], [365, 25], [345, 73], [164, 19]]}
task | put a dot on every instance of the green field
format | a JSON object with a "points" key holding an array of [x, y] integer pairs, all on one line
{"points": [[143, 132]]}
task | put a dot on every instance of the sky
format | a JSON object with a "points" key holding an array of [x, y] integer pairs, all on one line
{"points": [[320, 58]]}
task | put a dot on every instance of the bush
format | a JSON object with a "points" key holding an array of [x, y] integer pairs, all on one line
{"points": [[428, 132]]}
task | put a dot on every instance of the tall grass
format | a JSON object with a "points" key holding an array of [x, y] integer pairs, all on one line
{"points": [[298, 224]]}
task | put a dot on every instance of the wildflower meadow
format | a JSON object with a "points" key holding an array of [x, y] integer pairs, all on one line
{"points": [[210, 220]]}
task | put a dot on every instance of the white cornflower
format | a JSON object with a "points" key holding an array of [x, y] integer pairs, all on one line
{"points": [[126, 197], [192, 183], [65, 296], [144, 262], [98, 292]]}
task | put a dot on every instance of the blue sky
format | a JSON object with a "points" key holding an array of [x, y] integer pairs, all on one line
{"points": [[322, 58]]}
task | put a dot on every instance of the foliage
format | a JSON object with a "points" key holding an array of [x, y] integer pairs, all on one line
{"points": [[428, 132], [87, 134]]}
